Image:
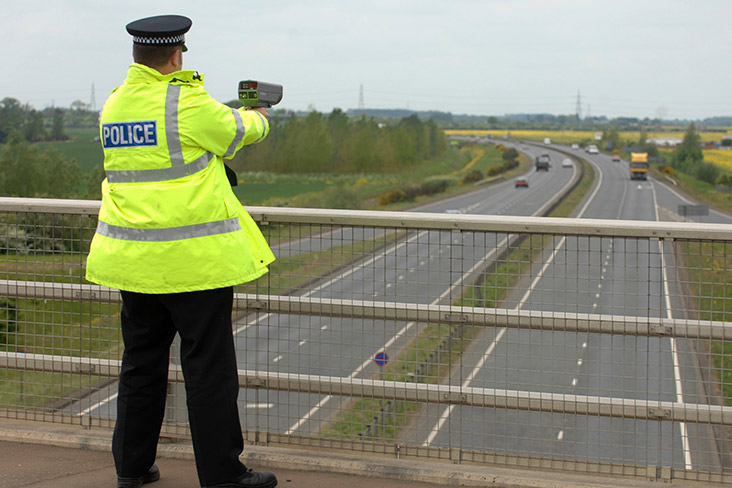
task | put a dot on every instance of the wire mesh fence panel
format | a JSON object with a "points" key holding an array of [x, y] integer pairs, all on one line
{"points": [[38, 249], [523, 342]]}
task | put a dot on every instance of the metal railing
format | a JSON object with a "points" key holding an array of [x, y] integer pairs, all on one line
{"points": [[569, 344]]}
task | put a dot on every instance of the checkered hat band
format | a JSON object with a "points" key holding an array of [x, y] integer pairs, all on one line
{"points": [[159, 41]]}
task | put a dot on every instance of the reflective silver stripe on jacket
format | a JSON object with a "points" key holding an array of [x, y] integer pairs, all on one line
{"points": [[171, 125], [168, 234], [160, 174], [264, 127], [240, 132], [178, 167]]}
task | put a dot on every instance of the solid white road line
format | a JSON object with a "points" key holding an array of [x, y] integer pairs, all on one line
{"points": [[674, 351], [446, 413], [97, 405]]}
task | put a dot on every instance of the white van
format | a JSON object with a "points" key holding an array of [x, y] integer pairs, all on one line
{"points": [[547, 140], [592, 149]]}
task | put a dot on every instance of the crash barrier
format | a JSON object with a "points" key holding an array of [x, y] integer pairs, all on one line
{"points": [[576, 345]]}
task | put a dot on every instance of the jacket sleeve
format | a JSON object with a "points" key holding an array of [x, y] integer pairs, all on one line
{"points": [[216, 127]]}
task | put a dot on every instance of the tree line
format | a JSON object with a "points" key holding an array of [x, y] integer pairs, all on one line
{"points": [[337, 143], [28, 171], [689, 158], [48, 124], [34, 125], [316, 143]]}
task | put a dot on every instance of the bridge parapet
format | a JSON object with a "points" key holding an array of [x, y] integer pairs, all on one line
{"points": [[585, 346]]}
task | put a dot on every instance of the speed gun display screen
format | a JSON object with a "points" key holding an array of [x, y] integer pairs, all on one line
{"points": [[259, 94]]}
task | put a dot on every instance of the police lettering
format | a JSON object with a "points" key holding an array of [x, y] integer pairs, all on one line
{"points": [[130, 134]]}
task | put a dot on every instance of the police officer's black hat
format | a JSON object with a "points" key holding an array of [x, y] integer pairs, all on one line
{"points": [[161, 30]]}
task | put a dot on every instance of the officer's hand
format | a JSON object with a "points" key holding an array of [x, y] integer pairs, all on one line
{"points": [[261, 110]]}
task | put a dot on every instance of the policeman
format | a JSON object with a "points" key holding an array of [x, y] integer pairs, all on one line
{"points": [[174, 239]]}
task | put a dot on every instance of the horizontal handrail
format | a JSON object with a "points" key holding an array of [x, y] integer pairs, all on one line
{"points": [[425, 221], [407, 392], [400, 311]]}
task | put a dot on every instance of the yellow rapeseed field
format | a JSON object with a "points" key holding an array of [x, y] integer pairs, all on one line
{"points": [[721, 158], [570, 137]]}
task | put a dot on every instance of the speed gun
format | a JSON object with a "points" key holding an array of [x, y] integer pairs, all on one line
{"points": [[259, 94]]}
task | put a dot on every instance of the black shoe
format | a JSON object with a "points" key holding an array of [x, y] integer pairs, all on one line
{"points": [[153, 474], [250, 479]]}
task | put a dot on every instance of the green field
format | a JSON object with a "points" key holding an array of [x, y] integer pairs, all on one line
{"points": [[82, 147], [326, 190], [305, 189], [260, 192]]}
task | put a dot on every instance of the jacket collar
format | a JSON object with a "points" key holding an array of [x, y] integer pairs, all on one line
{"points": [[139, 73]]}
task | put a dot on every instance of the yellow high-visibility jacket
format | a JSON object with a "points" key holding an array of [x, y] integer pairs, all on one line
{"points": [[169, 221]]}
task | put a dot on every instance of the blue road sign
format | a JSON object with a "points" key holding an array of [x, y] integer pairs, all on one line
{"points": [[381, 358]]}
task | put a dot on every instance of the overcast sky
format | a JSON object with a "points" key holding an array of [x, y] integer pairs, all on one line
{"points": [[641, 58]]}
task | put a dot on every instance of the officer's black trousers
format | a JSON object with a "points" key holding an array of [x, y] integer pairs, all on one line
{"points": [[149, 324]]}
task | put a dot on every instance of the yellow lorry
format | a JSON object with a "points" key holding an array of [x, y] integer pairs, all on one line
{"points": [[638, 166]]}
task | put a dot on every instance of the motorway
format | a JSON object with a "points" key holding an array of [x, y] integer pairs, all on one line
{"points": [[609, 276], [606, 276], [418, 269]]}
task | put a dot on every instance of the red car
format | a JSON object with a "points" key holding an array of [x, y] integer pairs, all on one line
{"points": [[522, 183], [616, 159]]}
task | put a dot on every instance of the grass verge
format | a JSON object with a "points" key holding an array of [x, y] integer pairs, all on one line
{"points": [[709, 281]]}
